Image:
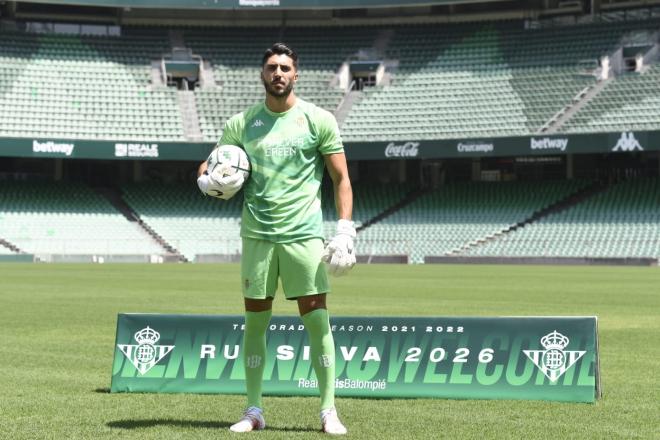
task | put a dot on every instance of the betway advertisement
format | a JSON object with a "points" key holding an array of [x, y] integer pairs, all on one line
{"points": [[514, 146], [621, 142], [538, 358]]}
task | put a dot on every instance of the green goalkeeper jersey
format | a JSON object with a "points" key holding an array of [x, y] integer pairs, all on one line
{"points": [[283, 194]]}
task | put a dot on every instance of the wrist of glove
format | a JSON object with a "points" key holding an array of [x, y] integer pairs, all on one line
{"points": [[339, 253], [223, 188]]}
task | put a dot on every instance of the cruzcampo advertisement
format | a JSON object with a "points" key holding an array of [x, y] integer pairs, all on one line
{"points": [[534, 358]]}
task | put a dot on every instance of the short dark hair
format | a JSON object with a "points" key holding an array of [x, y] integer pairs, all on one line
{"points": [[280, 49]]}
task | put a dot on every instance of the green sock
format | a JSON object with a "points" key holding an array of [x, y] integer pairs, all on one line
{"points": [[254, 354], [322, 351]]}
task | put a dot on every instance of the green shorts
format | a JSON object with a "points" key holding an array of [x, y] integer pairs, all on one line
{"points": [[297, 264]]}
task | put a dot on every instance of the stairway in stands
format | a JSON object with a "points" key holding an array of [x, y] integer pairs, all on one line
{"points": [[10, 246], [561, 205], [114, 197], [410, 197]]}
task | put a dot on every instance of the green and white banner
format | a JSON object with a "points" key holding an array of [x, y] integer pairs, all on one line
{"points": [[539, 358]]}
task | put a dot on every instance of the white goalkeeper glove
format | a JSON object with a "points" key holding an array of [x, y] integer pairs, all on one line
{"points": [[223, 188], [338, 253]]}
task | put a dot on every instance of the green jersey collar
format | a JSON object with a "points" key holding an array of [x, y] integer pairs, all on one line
{"points": [[279, 115]]}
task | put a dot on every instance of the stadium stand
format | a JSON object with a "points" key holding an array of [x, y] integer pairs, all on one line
{"points": [[632, 102], [84, 87], [493, 79], [446, 81], [195, 225], [464, 80], [192, 224], [450, 217], [621, 222], [451, 82], [67, 219], [235, 55], [369, 201]]}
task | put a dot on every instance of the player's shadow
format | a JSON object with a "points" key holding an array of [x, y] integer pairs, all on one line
{"points": [[151, 423]]}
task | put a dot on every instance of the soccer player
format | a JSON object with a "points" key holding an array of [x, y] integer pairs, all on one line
{"points": [[288, 141]]}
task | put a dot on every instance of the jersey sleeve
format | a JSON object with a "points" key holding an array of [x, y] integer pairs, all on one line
{"points": [[328, 132], [233, 132]]}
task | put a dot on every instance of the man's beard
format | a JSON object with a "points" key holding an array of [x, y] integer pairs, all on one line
{"points": [[272, 91]]}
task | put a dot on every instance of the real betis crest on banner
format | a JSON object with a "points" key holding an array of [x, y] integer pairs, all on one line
{"points": [[547, 358], [145, 354]]}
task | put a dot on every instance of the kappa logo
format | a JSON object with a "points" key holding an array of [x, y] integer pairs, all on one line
{"points": [[257, 123], [627, 142], [146, 354], [554, 361]]}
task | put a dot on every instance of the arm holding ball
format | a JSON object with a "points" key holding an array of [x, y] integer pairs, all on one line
{"points": [[230, 166]]}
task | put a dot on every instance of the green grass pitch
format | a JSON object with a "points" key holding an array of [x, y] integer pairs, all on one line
{"points": [[58, 324]]}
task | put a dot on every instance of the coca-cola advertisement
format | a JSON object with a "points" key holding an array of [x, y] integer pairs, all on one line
{"points": [[407, 149]]}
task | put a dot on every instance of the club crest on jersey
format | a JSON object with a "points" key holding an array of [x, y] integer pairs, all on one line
{"points": [[554, 361], [146, 353]]}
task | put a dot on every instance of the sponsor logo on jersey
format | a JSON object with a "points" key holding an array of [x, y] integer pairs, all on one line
{"points": [[407, 149], [277, 147], [547, 143], [280, 151], [554, 361], [52, 148], [257, 123], [627, 142], [146, 353]]}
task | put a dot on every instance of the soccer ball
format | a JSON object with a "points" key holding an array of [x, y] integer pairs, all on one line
{"points": [[226, 160]]}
